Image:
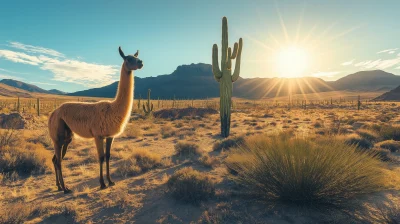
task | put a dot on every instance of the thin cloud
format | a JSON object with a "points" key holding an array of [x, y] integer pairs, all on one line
{"points": [[63, 69], [9, 71], [390, 51], [44, 83], [348, 62], [35, 49], [19, 57], [326, 74]]}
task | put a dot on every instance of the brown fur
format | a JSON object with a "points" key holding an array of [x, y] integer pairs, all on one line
{"points": [[102, 120]]}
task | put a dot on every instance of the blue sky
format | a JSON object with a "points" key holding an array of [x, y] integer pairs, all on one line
{"points": [[72, 45]]}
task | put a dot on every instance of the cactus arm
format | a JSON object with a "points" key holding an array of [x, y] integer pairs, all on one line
{"points": [[235, 49], [215, 67], [224, 43], [236, 73], [144, 109], [151, 108], [229, 60]]}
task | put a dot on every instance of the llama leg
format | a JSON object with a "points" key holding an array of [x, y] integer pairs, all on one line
{"points": [[100, 152], [55, 170], [108, 155], [59, 168], [65, 147], [67, 141]]}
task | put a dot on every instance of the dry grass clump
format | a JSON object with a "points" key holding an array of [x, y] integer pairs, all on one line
{"points": [[24, 159], [228, 143], [167, 131], [208, 161], [140, 161], [184, 148], [22, 212], [132, 131], [389, 132], [304, 171], [355, 139], [8, 138], [190, 185], [391, 145], [370, 135]]}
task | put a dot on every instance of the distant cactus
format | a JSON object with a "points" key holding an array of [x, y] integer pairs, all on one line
{"points": [[138, 104], [38, 107], [358, 103], [18, 105], [225, 77], [148, 107]]}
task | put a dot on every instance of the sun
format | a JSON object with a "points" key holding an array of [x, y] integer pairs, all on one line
{"points": [[292, 61]]}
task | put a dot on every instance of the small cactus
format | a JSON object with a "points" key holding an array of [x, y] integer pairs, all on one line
{"points": [[148, 107], [138, 104], [358, 103], [38, 106]]}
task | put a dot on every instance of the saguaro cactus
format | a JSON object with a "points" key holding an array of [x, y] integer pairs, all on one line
{"points": [[148, 107], [225, 77], [358, 103], [38, 106]]}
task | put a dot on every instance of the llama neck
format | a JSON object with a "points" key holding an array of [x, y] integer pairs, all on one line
{"points": [[124, 98]]}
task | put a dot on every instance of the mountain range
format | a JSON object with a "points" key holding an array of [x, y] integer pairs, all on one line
{"points": [[196, 81]]}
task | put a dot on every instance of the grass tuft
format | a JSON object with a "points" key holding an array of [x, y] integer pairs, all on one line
{"points": [[304, 171], [140, 161], [190, 185], [228, 143]]}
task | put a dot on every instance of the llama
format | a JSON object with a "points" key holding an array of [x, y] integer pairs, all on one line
{"points": [[101, 120]]}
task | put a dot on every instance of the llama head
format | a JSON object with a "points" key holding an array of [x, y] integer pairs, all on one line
{"points": [[132, 62]]}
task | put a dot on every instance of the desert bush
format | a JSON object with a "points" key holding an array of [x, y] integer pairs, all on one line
{"points": [[8, 138], [190, 185], [303, 171], [167, 131], [370, 135], [207, 160], [138, 162], [228, 143], [391, 145], [383, 154], [132, 131], [21, 212], [25, 159], [389, 132], [355, 139], [184, 148]]}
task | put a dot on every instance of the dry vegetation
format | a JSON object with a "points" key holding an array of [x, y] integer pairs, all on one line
{"points": [[279, 165]]}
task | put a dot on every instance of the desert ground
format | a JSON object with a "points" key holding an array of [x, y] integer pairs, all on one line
{"points": [[152, 158]]}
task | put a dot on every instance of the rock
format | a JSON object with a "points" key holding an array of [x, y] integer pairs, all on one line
{"points": [[14, 120]]}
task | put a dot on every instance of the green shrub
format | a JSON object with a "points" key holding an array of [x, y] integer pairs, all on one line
{"points": [[191, 186], [228, 143], [302, 170]]}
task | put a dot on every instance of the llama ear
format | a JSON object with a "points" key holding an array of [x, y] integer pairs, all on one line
{"points": [[136, 54], [121, 53]]}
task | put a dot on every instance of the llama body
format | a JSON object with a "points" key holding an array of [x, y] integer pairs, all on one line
{"points": [[102, 121]]}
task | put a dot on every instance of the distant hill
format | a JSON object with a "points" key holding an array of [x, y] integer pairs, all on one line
{"points": [[29, 87], [197, 81], [23, 85], [56, 92], [392, 95], [9, 91], [367, 80]]}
